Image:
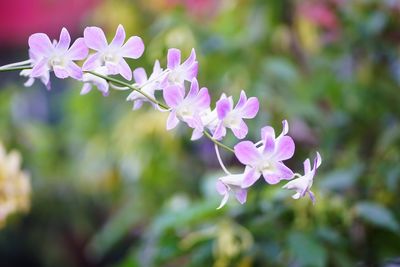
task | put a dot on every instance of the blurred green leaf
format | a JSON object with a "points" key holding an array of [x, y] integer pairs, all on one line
{"points": [[378, 215]]}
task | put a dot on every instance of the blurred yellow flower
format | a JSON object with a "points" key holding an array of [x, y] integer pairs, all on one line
{"points": [[15, 186]]}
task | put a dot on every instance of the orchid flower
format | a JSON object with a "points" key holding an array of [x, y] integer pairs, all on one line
{"points": [[45, 78], [147, 85], [179, 73], [232, 118], [266, 160], [188, 109], [112, 55], [57, 56], [90, 80], [302, 184], [231, 183]]}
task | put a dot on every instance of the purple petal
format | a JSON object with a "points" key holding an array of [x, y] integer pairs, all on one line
{"points": [[191, 72], [173, 95], [250, 109], [91, 63], [281, 172], [40, 68], [64, 41], [223, 108], [60, 72], [95, 38], [133, 48], [307, 166], [190, 61], [241, 131], [317, 161], [223, 201], [250, 178], [221, 187], [140, 76], [40, 45], [172, 121], [113, 68], [119, 37], [173, 58], [312, 197], [194, 89], [285, 128], [86, 88], [203, 99], [220, 131], [197, 134], [74, 71], [269, 144], [78, 50], [267, 130], [284, 148], [246, 152], [137, 104], [242, 100], [124, 69], [241, 195]]}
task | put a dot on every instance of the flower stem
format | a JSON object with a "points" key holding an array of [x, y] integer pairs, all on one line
{"points": [[125, 84]]}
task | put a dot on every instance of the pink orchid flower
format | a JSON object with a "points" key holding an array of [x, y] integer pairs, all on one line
{"points": [[302, 184], [188, 109], [112, 55], [56, 56], [266, 160], [179, 73], [232, 118]]}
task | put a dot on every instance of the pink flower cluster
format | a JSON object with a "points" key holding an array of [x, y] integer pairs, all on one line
{"points": [[184, 99]]}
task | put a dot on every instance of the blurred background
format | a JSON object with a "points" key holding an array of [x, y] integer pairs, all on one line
{"points": [[111, 187]]}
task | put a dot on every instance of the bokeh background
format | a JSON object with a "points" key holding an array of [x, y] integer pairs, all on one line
{"points": [[111, 187]]}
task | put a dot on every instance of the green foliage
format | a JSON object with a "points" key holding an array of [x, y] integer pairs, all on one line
{"points": [[112, 187]]}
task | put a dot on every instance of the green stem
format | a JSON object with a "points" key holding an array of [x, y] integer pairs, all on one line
{"points": [[122, 83], [16, 68]]}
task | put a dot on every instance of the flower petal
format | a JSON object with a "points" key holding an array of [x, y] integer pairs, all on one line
{"points": [[140, 76], [60, 72], [307, 166], [74, 71], [78, 50], [284, 148], [92, 62], [194, 89], [221, 187], [40, 68], [241, 195], [203, 99], [124, 69], [133, 48], [267, 130], [241, 131], [40, 45], [220, 131], [269, 143], [95, 38], [250, 177], [172, 121], [119, 37], [250, 108], [246, 152], [242, 100], [190, 61], [64, 41], [223, 108], [173, 95], [173, 58], [86, 88]]}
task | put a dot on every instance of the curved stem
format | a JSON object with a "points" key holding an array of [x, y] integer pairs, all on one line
{"points": [[125, 84], [220, 160], [14, 68]]}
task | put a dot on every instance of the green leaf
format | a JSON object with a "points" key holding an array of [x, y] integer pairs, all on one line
{"points": [[378, 215], [306, 250]]}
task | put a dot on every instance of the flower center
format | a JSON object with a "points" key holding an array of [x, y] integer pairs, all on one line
{"points": [[57, 61], [175, 77], [232, 120], [110, 57]]}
